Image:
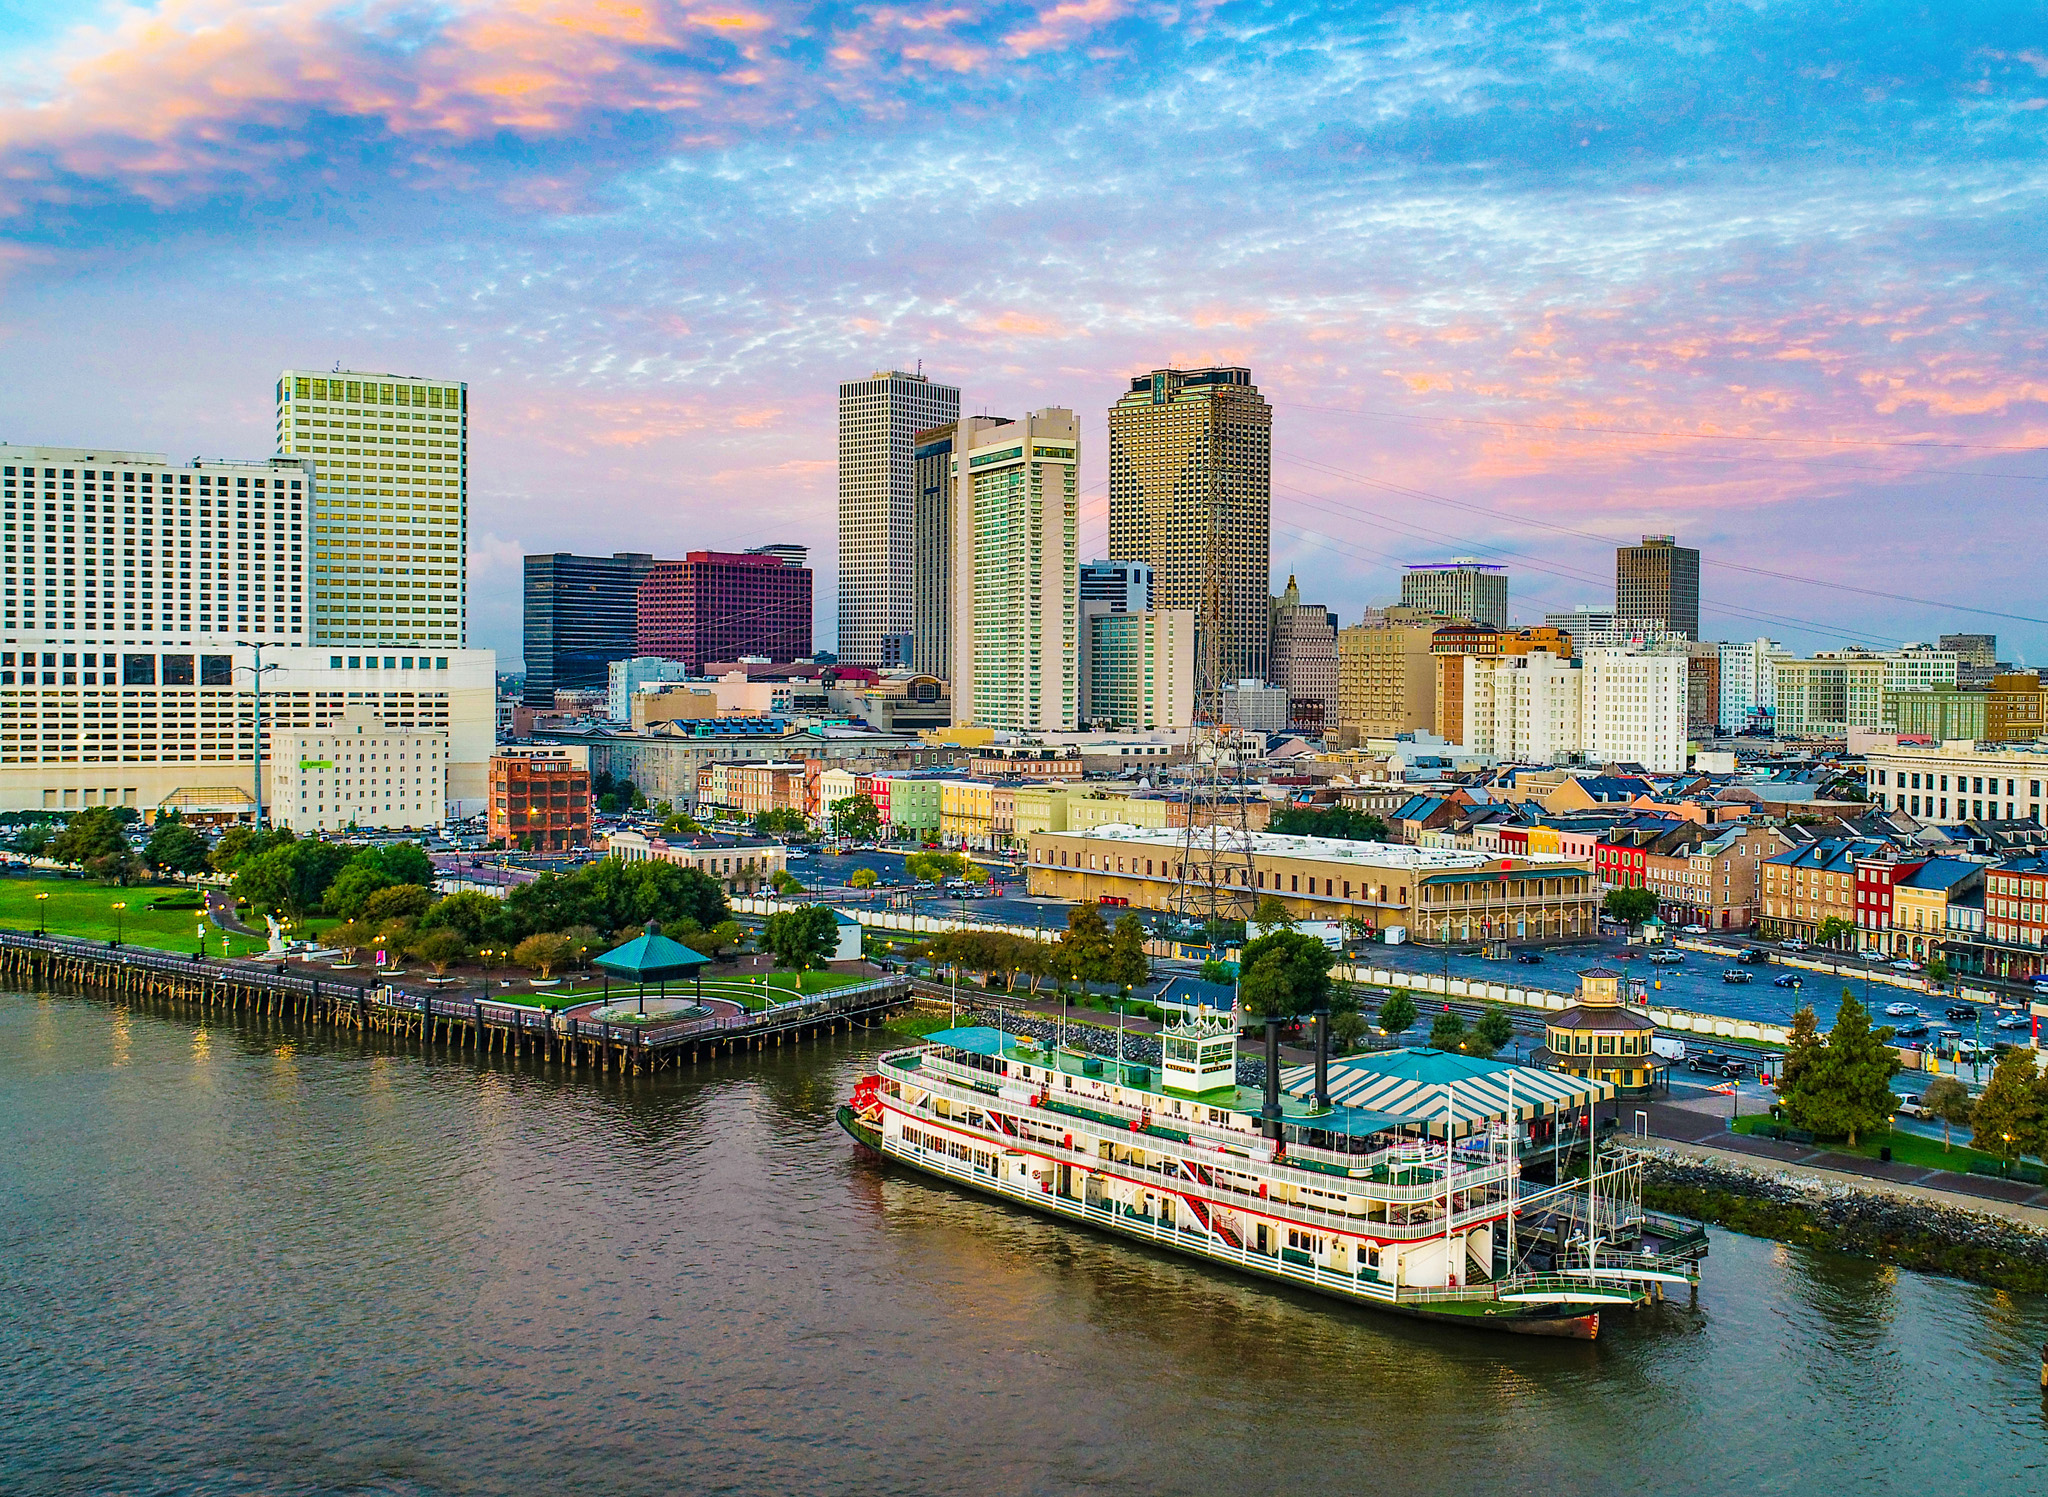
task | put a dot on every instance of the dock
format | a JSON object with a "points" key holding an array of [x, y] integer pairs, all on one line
{"points": [[450, 1021]]}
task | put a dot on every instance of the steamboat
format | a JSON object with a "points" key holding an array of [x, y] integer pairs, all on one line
{"points": [[1414, 1204]]}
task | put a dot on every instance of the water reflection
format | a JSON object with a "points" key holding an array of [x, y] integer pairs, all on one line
{"points": [[407, 1271]]}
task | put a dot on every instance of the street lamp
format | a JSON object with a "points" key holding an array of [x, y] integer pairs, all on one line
{"points": [[256, 674], [119, 906], [42, 915]]}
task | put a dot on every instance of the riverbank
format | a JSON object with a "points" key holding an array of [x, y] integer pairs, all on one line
{"points": [[1989, 1247]]}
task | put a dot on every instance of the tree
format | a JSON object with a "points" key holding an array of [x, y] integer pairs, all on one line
{"points": [[1084, 945], [1937, 968], [1271, 915], [680, 824], [1218, 972], [801, 938], [973, 872], [2008, 1119], [1802, 1044], [1345, 822], [1833, 929], [239, 844], [1845, 1088], [1284, 974], [174, 846], [783, 822], [399, 902], [543, 953], [471, 915], [1493, 1030], [1447, 1032], [786, 882], [1397, 1014], [934, 867], [94, 833], [1629, 906], [1127, 966], [863, 878], [351, 936], [352, 888], [441, 949], [290, 877], [722, 937], [1347, 1028], [402, 862], [857, 818], [1948, 1099], [33, 839]]}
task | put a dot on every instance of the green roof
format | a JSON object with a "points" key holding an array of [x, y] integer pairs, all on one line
{"points": [[652, 957]]}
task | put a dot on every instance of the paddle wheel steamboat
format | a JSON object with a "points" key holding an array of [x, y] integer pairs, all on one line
{"points": [[1416, 1205]]}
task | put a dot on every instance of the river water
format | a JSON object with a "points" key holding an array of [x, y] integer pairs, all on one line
{"points": [[241, 1257]]}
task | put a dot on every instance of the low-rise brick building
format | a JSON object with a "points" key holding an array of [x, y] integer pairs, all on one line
{"points": [[540, 799]]}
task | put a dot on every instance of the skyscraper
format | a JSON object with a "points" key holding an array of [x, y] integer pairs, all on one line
{"points": [[391, 516], [879, 418], [934, 483], [1184, 443], [1015, 568], [1462, 588], [721, 605], [581, 614], [1658, 584], [1304, 660]]}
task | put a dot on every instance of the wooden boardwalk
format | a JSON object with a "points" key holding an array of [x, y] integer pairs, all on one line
{"points": [[454, 1022]]}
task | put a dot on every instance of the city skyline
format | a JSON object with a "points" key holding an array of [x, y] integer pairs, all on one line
{"points": [[651, 328]]}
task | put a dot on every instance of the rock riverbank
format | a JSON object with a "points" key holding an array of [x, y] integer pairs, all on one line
{"points": [[1910, 1233]]}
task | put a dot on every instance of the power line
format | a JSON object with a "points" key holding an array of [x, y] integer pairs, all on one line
{"points": [[1624, 431], [1571, 530]]}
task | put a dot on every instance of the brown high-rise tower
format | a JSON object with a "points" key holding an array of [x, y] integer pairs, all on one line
{"points": [[1658, 584], [1184, 442]]}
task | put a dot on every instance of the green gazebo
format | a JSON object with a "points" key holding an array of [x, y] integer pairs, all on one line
{"points": [[653, 957]]}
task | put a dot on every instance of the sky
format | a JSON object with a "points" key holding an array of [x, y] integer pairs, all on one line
{"points": [[1522, 281]]}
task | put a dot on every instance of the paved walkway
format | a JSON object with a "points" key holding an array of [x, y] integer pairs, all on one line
{"points": [[1697, 1126]]}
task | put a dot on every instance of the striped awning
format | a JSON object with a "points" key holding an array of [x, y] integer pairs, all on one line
{"points": [[1432, 1085]]}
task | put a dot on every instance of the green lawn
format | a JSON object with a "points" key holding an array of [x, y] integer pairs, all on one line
{"points": [[84, 907], [1907, 1148]]}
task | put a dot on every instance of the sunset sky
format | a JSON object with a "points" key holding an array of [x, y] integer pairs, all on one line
{"points": [[1522, 281]]}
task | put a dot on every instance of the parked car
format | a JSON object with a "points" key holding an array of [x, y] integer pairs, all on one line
{"points": [[1910, 1107], [1695, 930], [2013, 1021], [1789, 980], [1962, 1013], [1905, 965], [1529, 958], [1736, 974], [1667, 959], [1914, 1029], [1901, 1011], [1792, 943], [1754, 956]]}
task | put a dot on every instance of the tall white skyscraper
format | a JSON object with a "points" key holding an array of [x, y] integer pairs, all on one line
{"points": [[1634, 708], [391, 522], [1016, 575], [1462, 588], [878, 419]]}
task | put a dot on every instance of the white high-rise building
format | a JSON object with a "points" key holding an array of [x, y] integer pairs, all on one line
{"points": [[1016, 575], [391, 525], [1524, 709], [358, 771], [1137, 668], [1749, 683], [1462, 588], [878, 418], [1634, 707], [132, 628]]}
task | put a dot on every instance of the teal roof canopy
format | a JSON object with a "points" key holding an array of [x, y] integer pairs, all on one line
{"points": [[652, 957], [979, 1039]]}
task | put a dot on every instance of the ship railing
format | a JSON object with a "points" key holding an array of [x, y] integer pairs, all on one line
{"points": [[1407, 1154]]}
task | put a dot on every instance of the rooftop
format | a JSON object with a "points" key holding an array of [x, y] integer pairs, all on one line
{"points": [[1329, 849]]}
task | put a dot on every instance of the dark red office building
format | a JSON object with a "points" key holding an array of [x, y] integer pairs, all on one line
{"points": [[720, 605]]}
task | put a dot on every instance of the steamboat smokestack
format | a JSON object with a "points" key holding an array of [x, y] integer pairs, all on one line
{"points": [[1269, 1115], [1323, 1057]]}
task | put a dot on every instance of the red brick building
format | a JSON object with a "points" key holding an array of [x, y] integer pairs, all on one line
{"points": [[539, 793], [720, 605]]}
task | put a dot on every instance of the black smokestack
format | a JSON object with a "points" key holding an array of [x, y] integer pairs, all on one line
{"points": [[1322, 1057], [1270, 1114]]}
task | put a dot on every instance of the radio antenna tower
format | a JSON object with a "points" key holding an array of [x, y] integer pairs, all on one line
{"points": [[1216, 877]]}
